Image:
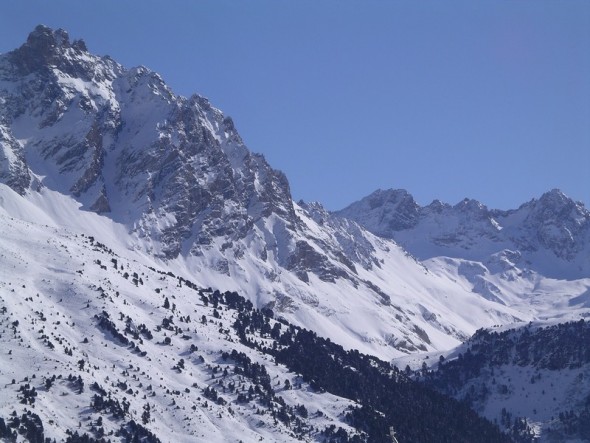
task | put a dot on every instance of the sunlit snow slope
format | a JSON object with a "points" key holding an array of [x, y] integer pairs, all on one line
{"points": [[91, 145], [79, 320], [95, 154]]}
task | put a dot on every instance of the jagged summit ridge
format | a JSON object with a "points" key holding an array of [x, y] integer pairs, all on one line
{"points": [[112, 151], [111, 136], [553, 223], [44, 47]]}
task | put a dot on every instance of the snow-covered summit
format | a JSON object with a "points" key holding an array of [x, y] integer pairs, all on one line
{"points": [[552, 233], [114, 153], [170, 177], [122, 143]]}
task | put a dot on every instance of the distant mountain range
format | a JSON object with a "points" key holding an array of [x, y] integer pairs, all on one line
{"points": [[550, 235], [91, 149]]}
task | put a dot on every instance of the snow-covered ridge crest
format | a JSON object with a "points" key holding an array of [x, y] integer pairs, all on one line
{"points": [[115, 153], [122, 143], [551, 235], [171, 178]]}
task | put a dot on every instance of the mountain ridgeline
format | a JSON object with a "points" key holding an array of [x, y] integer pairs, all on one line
{"points": [[115, 138], [103, 349], [550, 235], [222, 310]]}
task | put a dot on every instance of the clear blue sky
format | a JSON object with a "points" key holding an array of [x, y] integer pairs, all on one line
{"points": [[481, 99]]}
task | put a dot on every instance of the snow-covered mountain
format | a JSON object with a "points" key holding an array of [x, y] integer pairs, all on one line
{"points": [[535, 259], [120, 142], [550, 235], [97, 346], [119, 153], [115, 192], [533, 378]]}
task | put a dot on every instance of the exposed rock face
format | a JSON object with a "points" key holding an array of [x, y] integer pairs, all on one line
{"points": [[46, 47], [560, 224], [173, 169], [13, 168], [59, 104], [122, 143]]}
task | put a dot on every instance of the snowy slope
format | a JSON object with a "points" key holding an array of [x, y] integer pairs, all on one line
{"points": [[535, 259], [96, 344], [55, 287], [97, 147], [538, 373], [375, 313]]}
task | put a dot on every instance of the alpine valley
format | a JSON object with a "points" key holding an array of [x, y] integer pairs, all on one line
{"points": [[159, 283]]}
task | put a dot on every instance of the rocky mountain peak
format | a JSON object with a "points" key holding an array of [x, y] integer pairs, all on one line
{"points": [[558, 223], [556, 208], [554, 195], [472, 209], [470, 205], [392, 197], [384, 211], [554, 223], [558, 203], [44, 39], [437, 206], [45, 47], [49, 55], [122, 143]]}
